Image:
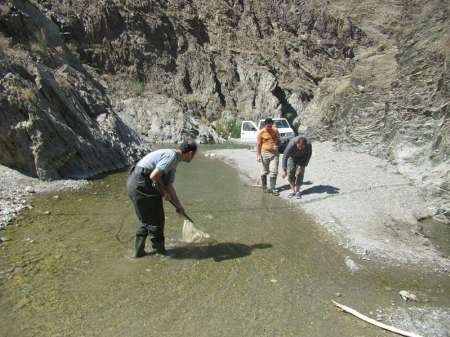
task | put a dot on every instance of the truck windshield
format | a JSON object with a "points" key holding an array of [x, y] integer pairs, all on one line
{"points": [[278, 123], [281, 123]]}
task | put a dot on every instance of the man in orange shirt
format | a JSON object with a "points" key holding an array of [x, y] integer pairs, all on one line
{"points": [[267, 142]]}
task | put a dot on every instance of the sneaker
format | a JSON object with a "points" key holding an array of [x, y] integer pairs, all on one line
{"points": [[298, 195], [291, 195], [275, 192]]}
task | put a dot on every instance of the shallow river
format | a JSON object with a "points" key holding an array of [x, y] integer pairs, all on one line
{"points": [[269, 270]]}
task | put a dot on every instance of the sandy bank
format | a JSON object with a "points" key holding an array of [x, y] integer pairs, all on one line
{"points": [[362, 200], [16, 187]]}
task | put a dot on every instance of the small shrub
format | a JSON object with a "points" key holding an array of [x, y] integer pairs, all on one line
{"points": [[26, 94], [191, 99], [227, 130], [138, 87], [41, 44], [4, 43], [235, 131]]}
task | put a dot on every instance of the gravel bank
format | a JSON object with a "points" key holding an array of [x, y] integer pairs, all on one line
{"points": [[16, 187], [369, 207]]}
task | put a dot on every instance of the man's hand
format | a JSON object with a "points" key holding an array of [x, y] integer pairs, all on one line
{"points": [[167, 196], [180, 210], [258, 157], [300, 169], [284, 173]]}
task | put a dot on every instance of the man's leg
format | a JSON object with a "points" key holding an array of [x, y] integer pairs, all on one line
{"points": [[300, 173], [154, 223], [141, 231], [265, 162], [291, 168], [273, 168], [139, 241], [149, 210]]}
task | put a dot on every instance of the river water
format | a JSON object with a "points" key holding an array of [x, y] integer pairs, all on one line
{"points": [[268, 269]]}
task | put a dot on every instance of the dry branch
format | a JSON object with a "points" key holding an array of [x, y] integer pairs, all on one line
{"points": [[374, 322]]}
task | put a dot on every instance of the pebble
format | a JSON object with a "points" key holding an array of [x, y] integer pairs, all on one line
{"points": [[30, 189], [407, 296], [352, 265]]}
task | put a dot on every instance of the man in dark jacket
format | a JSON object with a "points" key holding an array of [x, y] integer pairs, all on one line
{"points": [[148, 182], [295, 158]]}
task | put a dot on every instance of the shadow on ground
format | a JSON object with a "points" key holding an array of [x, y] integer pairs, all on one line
{"points": [[328, 189], [218, 251], [288, 187]]}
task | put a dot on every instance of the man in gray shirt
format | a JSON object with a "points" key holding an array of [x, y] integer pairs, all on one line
{"points": [[295, 158], [150, 180]]}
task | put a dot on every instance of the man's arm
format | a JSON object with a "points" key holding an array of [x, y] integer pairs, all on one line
{"points": [[309, 153], [174, 198], [258, 147], [156, 177], [286, 154], [278, 140]]}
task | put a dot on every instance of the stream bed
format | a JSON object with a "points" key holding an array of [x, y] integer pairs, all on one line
{"points": [[268, 269]]}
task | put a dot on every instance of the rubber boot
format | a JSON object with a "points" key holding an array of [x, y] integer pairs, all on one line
{"points": [[159, 246], [264, 183], [273, 182], [139, 245]]}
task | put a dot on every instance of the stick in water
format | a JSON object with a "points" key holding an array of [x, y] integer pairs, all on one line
{"points": [[374, 322]]}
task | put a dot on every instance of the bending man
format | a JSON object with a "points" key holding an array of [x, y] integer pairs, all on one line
{"points": [[295, 158], [150, 180]]}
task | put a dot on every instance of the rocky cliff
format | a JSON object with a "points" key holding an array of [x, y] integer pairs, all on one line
{"points": [[373, 76], [55, 117]]}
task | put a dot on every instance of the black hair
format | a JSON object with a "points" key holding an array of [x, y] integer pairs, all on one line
{"points": [[188, 145], [268, 121], [302, 140]]}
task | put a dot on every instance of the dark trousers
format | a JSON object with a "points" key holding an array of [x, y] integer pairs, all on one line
{"points": [[294, 177], [148, 205]]}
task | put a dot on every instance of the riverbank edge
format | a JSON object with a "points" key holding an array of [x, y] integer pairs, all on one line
{"points": [[17, 188], [363, 201]]}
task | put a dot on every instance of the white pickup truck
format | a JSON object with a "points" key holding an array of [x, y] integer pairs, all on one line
{"points": [[249, 130]]}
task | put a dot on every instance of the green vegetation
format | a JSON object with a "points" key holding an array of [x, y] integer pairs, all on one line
{"points": [[191, 99], [138, 87], [4, 43], [228, 130], [26, 94], [41, 44]]}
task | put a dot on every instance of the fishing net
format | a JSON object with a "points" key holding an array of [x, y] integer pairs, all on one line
{"points": [[191, 234]]}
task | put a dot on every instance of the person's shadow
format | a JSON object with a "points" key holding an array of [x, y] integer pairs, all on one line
{"points": [[288, 187], [217, 251], [328, 189]]}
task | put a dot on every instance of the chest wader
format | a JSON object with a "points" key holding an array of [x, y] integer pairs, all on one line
{"points": [[148, 204]]}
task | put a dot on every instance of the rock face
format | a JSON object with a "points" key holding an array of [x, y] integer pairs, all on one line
{"points": [[371, 75], [56, 120], [395, 101]]}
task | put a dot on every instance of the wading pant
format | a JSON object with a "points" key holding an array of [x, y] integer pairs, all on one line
{"points": [[269, 163], [295, 177], [148, 205]]}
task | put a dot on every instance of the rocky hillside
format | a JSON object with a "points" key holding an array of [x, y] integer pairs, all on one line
{"points": [[371, 75], [55, 117]]}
